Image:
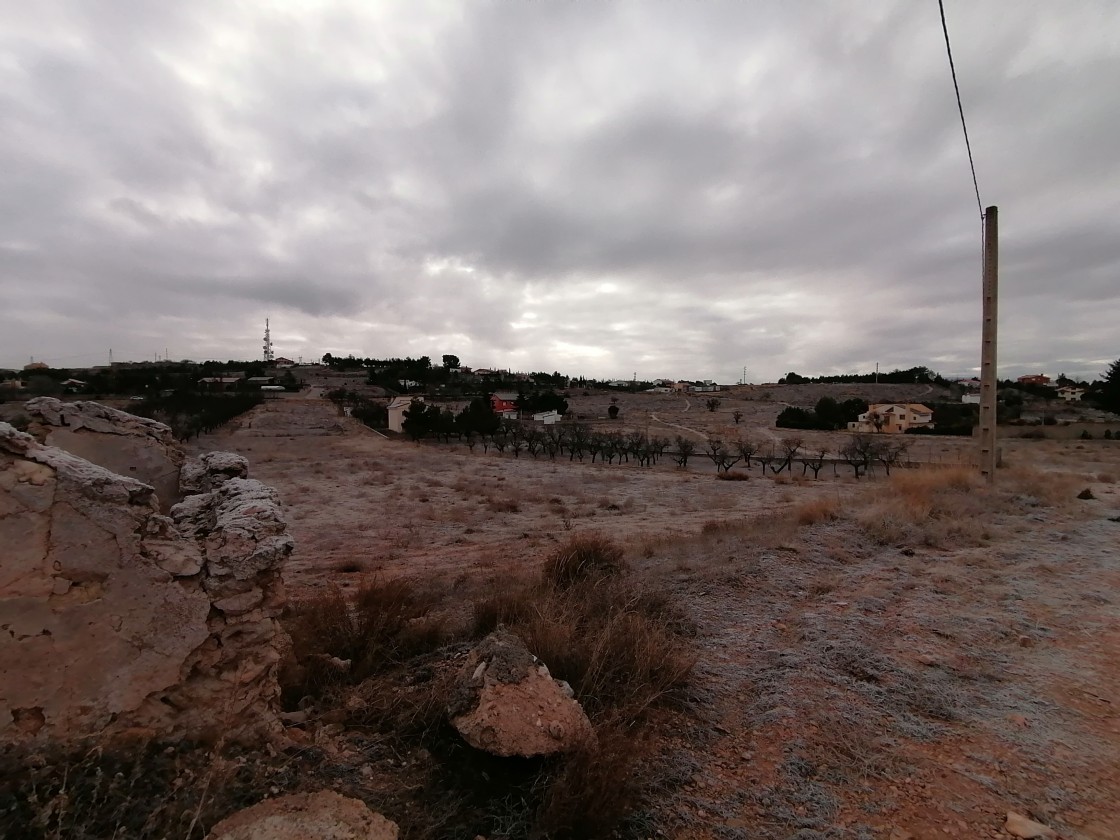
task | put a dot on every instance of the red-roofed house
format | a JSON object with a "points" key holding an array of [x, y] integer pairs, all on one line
{"points": [[503, 408]]}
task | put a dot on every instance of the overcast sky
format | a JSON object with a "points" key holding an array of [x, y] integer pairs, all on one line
{"points": [[673, 188]]}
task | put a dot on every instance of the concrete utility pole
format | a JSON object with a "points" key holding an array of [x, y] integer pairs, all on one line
{"points": [[989, 456]]}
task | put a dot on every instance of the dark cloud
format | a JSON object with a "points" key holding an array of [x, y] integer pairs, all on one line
{"points": [[672, 189]]}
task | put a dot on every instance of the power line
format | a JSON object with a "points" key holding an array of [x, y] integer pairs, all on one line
{"points": [[960, 107]]}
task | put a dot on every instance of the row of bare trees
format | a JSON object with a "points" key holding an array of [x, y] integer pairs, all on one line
{"points": [[576, 440], [862, 453]]}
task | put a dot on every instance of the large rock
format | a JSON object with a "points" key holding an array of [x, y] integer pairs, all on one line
{"points": [[121, 442], [211, 470], [114, 617], [508, 704], [1019, 826], [306, 816]]}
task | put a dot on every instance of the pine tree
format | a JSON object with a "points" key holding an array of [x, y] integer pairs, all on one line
{"points": [[1109, 396]]}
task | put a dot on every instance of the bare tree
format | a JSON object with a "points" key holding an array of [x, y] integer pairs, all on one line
{"points": [[533, 438], [889, 453], [814, 462], [765, 457], [790, 448], [685, 448], [746, 448], [721, 455], [737, 416], [713, 403], [859, 453]]}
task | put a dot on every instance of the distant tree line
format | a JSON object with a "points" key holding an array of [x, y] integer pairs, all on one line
{"points": [[478, 425], [190, 414], [909, 376], [828, 414]]}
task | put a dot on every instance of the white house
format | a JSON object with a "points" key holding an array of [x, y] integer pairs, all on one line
{"points": [[547, 417], [1070, 393], [893, 418], [970, 398], [396, 410]]}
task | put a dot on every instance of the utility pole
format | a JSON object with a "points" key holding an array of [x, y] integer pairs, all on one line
{"points": [[988, 453]]}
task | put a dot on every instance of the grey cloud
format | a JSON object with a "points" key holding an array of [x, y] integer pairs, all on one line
{"points": [[762, 185]]}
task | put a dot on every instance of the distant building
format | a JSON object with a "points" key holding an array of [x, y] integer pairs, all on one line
{"points": [[1034, 379], [972, 384], [281, 362], [36, 366], [220, 383], [893, 418], [503, 408], [396, 410], [547, 417], [1070, 393], [970, 398]]}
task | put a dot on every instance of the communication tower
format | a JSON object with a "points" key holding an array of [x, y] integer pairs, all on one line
{"points": [[268, 355]]}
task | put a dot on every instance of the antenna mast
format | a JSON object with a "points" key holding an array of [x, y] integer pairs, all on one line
{"points": [[268, 356]]}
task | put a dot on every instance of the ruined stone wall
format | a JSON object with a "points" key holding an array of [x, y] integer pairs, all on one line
{"points": [[115, 618], [121, 442]]}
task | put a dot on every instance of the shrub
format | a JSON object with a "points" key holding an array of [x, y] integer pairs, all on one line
{"points": [[595, 788], [511, 606], [817, 510], [384, 623], [932, 506], [618, 648], [730, 476], [581, 558]]}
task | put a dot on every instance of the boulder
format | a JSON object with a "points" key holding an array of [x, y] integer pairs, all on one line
{"points": [[211, 470], [1019, 826], [121, 442], [116, 618], [508, 704], [306, 816]]}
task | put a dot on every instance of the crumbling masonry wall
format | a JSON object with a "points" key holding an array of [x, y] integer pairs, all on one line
{"points": [[118, 619]]}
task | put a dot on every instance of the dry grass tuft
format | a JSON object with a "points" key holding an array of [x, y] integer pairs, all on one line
{"points": [[1048, 487], [338, 640], [733, 476], [933, 507], [817, 510], [595, 787], [584, 557]]}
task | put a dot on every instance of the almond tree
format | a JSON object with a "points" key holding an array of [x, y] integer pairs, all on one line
{"points": [[685, 448], [814, 462], [747, 448]]}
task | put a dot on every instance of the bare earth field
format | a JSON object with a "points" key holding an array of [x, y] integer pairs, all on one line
{"points": [[887, 658]]}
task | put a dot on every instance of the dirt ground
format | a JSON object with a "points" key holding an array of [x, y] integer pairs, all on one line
{"points": [[880, 671]]}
